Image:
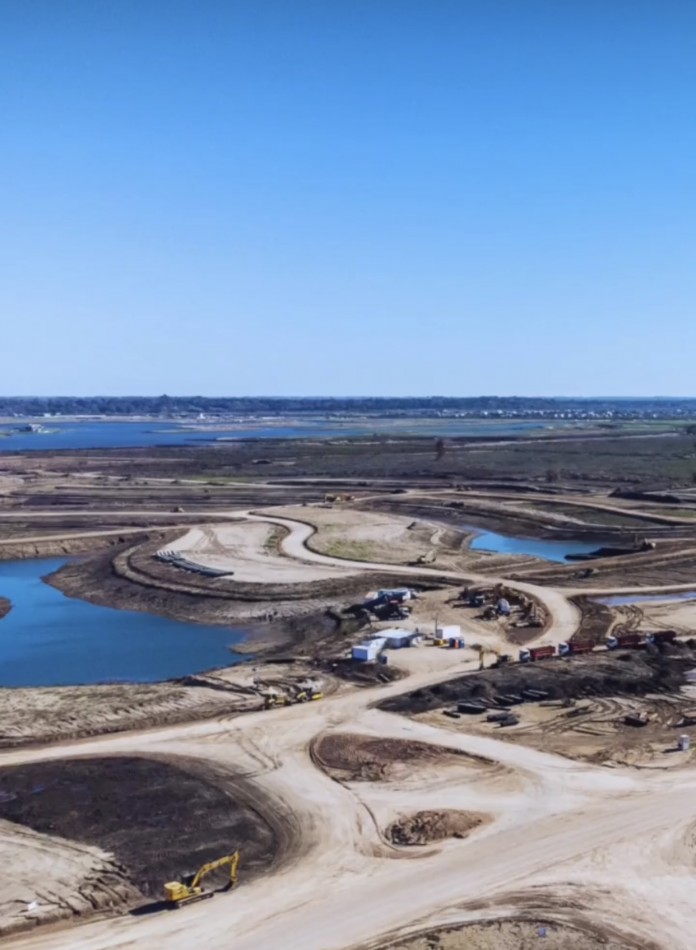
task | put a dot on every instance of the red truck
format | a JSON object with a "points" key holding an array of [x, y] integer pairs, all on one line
{"points": [[662, 636], [574, 647], [537, 653], [630, 641]]}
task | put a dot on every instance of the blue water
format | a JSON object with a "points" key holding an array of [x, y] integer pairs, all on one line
{"points": [[104, 435], [546, 550], [621, 600], [48, 639]]}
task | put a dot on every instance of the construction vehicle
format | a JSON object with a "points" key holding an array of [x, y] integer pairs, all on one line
{"points": [[533, 654], [573, 647], [661, 636], [482, 651], [630, 641], [307, 695], [271, 700], [188, 890]]}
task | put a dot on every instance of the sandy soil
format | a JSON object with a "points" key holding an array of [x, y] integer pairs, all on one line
{"points": [[51, 714], [509, 935], [250, 551], [613, 848], [46, 878], [358, 535], [597, 730], [549, 817], [670, 616]]}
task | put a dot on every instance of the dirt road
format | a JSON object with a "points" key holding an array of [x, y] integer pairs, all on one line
{"points": [[619, 841], [551, 818]]}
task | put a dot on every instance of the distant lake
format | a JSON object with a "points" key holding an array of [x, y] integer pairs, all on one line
{"points": [[533, 547], [48, 639], [114, 435]]}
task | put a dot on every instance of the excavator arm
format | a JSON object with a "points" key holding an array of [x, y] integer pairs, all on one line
{"points": [[231, 859]]}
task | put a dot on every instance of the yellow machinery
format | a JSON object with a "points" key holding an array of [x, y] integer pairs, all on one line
{"points": [[271, 700], [307, 695], [189, 889]]}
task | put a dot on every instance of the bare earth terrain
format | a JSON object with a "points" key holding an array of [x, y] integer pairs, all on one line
{"points": [[377, 814]]}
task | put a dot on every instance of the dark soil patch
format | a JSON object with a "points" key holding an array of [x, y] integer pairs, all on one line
{"points": [[158, 819], [596, 620], [349, 757], [363, 674], [621, 673], [427, 826]]}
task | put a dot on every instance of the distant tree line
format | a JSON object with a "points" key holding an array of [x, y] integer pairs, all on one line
{"points": [[170, 406]]}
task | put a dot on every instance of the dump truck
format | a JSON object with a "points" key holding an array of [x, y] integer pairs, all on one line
{"points": [[661, 636], [533, 654], [573, 647], [628, 641]]}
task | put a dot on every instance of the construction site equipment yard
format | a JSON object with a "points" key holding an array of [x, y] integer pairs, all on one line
{"points": [[429, 801]]}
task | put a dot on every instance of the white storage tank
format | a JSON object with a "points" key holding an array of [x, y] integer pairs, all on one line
{"points": [[450, 631], [684, 743]]}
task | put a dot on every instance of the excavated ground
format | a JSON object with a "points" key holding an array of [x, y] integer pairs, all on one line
{"points": [[55, 713], [637, 732], [606, 674], [427, 826], [511, 935], [346, 756], [159, 819]]}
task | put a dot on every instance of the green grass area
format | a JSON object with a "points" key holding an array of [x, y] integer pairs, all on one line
{"points": [[611, 458], [272, 542], [350, 550]]}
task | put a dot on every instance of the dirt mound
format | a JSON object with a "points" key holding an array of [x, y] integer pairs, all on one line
{"points": [[603, 674], [510, 935], [158, 819], [45, 879], [349, 757], [427, 826]]}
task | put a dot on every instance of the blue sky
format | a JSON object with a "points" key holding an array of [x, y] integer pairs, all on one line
{"points": [[348, 197]]}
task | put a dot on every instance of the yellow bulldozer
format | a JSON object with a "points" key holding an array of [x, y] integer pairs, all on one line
{"points": [[188, 890]]}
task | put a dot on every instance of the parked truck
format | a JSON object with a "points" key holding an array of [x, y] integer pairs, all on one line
{"points": [[661, 636], [573, 647], [533, 654], [627, 641]]}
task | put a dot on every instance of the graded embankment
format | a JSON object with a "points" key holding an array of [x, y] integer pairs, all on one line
{"points": [[158, 818]]}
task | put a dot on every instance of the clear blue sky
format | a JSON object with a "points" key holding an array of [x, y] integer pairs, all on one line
{"points": [[348, 197]]}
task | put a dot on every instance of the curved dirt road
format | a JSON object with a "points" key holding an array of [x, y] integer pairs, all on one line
{"points": [[615, 837], [552, 821]]}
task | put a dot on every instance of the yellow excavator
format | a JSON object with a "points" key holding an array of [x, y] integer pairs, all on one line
{"points": [[189, 888]]}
